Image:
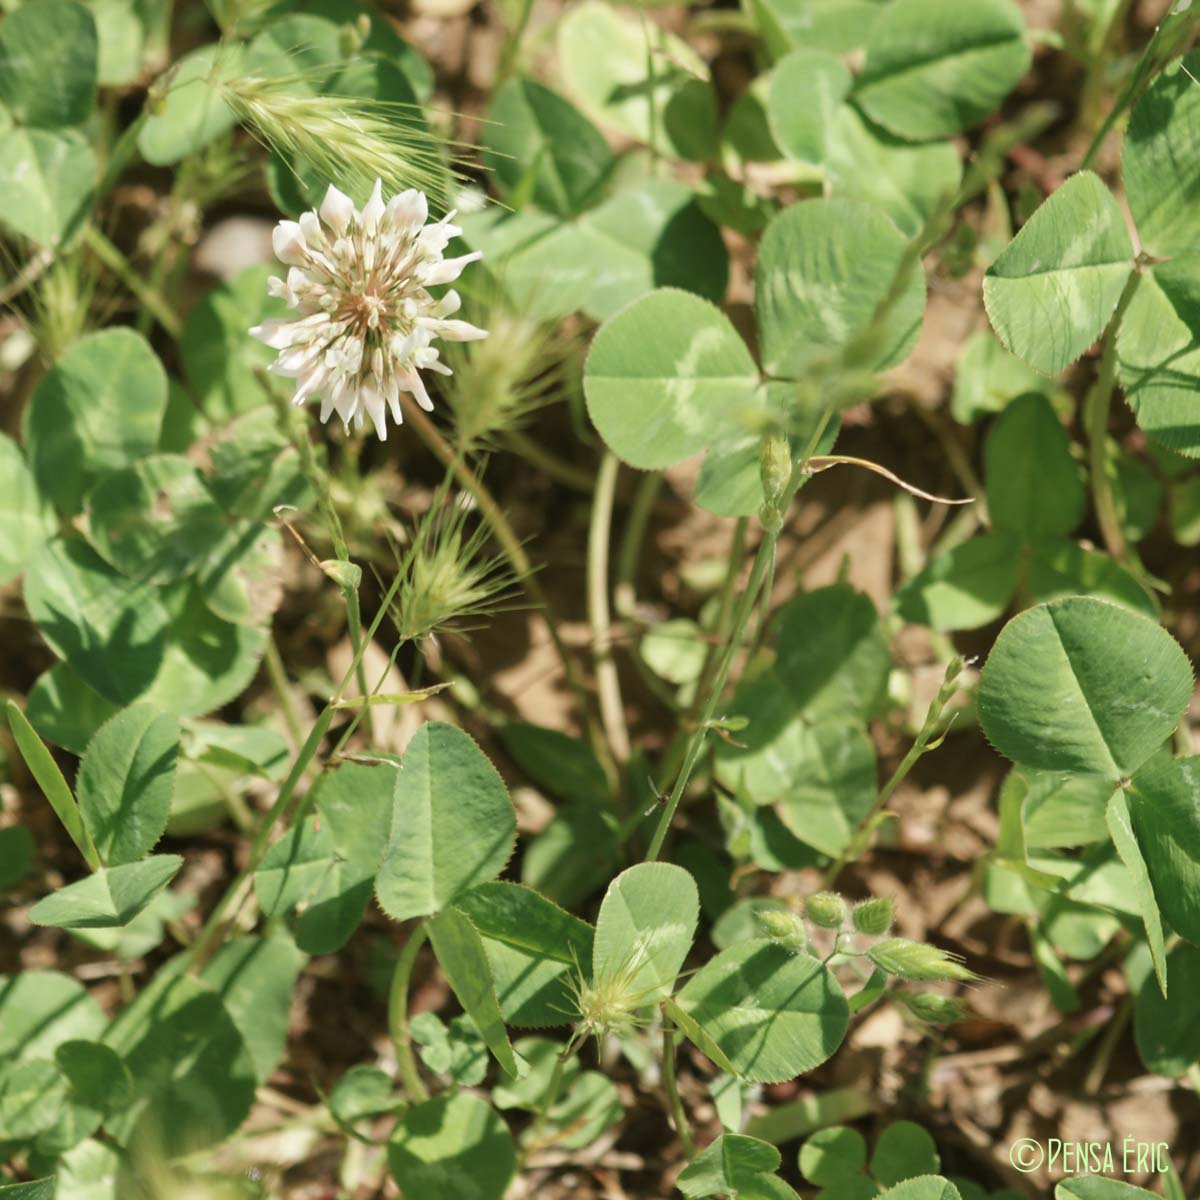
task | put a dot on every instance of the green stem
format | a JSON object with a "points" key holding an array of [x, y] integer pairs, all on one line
{"points": [[284, 809], [240, 813], [562, 472], [279, 681], [32, 270], [514, 551], [1152, 60], [1098, 57], [725, 603], [512, 41], [990, 159], [608, 683], [762, 560], [158, 34], [398, 1027], [354, 722], [725, 20], [956, 454], [354, 625], [1113, 1033], [1098, 403], [678, 1114], [764, 565], [552, 1090], [720, 638], [624, 592], [213, 933], [168, 236], [651, 98], [924, 741], [764, 612], [124, 270], [637, 519], [319, 481], [118, 157]]}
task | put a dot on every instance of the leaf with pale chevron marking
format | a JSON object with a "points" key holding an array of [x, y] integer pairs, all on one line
{"points": [[1053, 290], [937, 67], [835, 278], [667, 377]]}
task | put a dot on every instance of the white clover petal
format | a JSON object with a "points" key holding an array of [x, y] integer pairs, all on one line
{"points": [[391, 390], [337, 210], [434, 239], [287, 240], [345, 399], [296, 290], [296, 360], [372, 403], [403, 347], [412, 382], [310, 226], [447, 270], [449, 304], [427, 359], [408, 210], [277, 332], [310, 384], [454, 331], [471, 200], [373, 210]]}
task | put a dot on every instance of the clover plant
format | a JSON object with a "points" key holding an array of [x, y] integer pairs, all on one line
{"points": [[468, 733]]}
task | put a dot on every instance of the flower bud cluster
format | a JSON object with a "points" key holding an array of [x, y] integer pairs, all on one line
{"points": [[899, 957]]}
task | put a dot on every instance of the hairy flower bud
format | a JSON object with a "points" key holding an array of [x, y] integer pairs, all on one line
{"points": [[775, 474], [826, 909], [954, 668], [353, 34], [775, 467], [613, 1001], [874, 917], [770, 518], [918, 961], [783, 927], [346, 575], [935, 1009]]}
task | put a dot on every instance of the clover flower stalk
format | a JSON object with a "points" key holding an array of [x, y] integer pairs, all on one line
{"points": [[366, 321]]}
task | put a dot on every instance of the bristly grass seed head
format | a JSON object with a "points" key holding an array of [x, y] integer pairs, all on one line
{"points": [[64, 301], [351, 139], [525, 364], [449, 578]]}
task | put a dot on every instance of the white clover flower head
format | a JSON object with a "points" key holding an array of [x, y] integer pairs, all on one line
{"points": [[365, 321]]}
